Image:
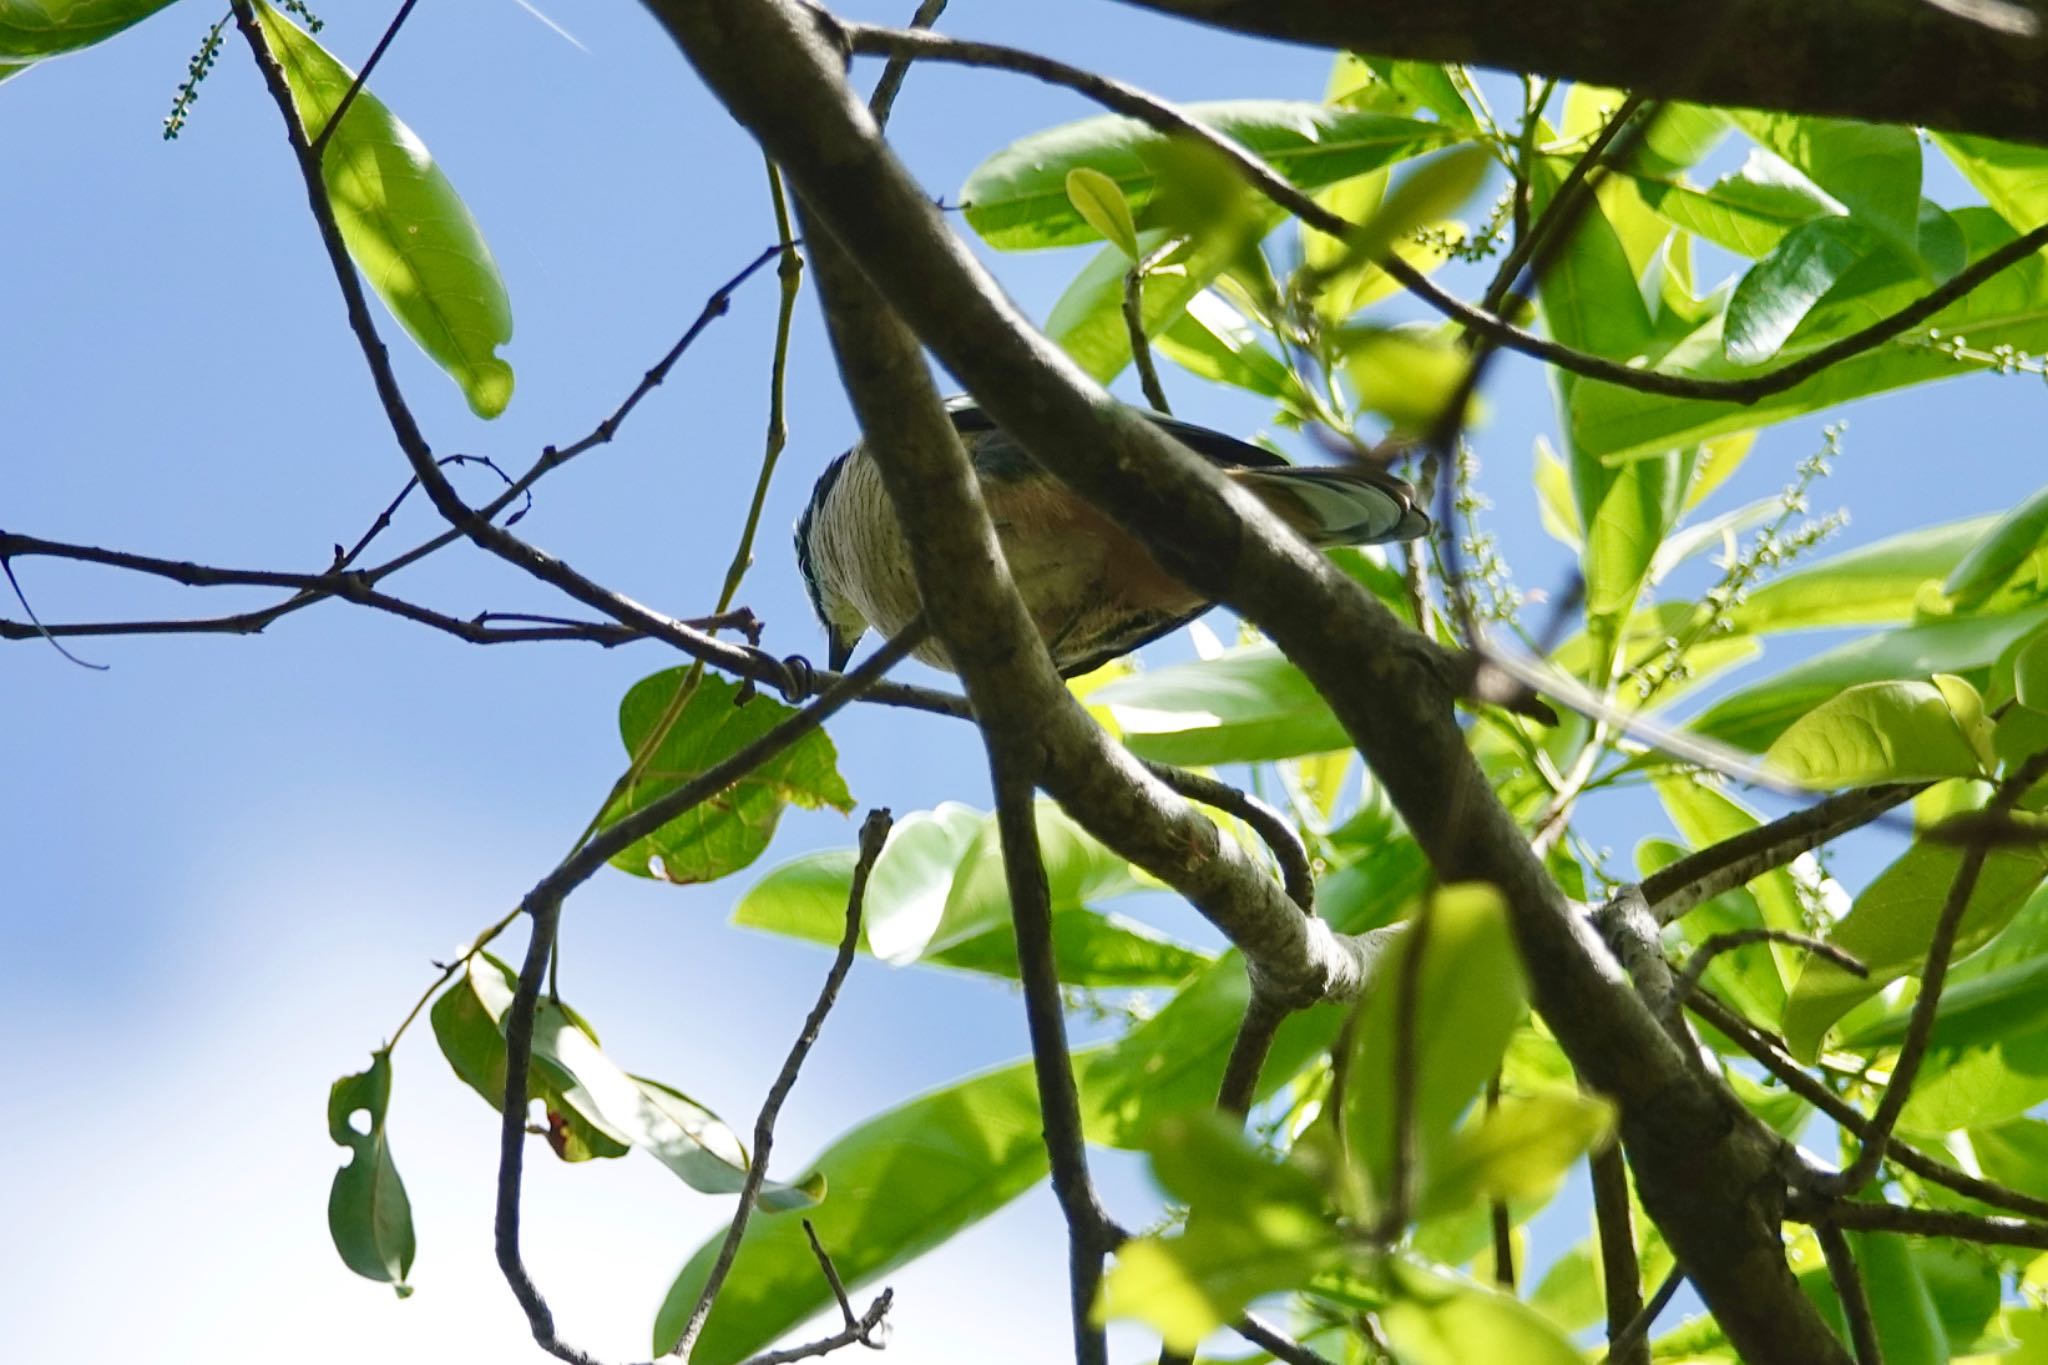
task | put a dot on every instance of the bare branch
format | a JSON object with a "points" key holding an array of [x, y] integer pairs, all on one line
{"points": [[1704, 955], [874, 832], [1296, 873], [1775, 1060], [859, 1333], [1639, 1329], [1141, 345], [1699, 877], [1262, 1020], [1277, 1344], [1989, 1229], [831, 1273], [1848, 1283], [1620, 1274], [883, 101]]}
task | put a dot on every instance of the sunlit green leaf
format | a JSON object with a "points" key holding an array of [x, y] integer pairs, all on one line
{"points": [[731, 829], [1878, 732], [1468, 1000], [1889, 927], [1779, 291], [1998, 554], [404, 224], [1521, 1149], [1098, 199], [1758, 713], [1437, 1319], [1873, 583], [1017, 199], [1213, 340], [2010, 309], [898, 1185], [1394, 86], [1255, 1227], [1872, 168], [1747, 211], [2012, 176], [368, 1214], [34, 29], [1407, 375], [1246, 706]]}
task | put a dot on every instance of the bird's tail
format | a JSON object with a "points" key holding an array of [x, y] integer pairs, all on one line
{"points": [[1332, 506]]}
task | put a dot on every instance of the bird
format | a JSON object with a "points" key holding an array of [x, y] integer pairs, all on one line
{"points": [[1092, 589]]}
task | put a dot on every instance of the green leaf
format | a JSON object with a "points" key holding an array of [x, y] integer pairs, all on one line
{"points": [[33, 29], [1554, 493], [1468, 1000], [1589, 295], [368, 1214], [915, 879], [1879, 732], [1890, 925], [468, 1024], [2012, 177], [1088, 319], [900, 1184], [1407, 375], [2010, 309], [1244, 706], [1100, 200], [1998, 554], [1870, 584], [1520, 1150], [732, 828], [594, 1108], [1872, 168], [1747, 211], [407, 229], [1754, 716], [1395, 86], [1971, 1086], [1777, 293], [1172, 1064], [1438, 1319], [1704, 817], [1017, 199], [1636, 509], [1213, 341], [1255, 1227]]}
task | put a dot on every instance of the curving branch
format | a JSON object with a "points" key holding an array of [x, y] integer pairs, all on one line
{"points": [[1979, 68], [1478, 321], [776, 66]]}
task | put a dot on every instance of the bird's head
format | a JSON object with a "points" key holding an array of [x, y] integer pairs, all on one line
{"points": [[844, 624]]}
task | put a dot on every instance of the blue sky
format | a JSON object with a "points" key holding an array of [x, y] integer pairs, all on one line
{"points": [[230, 860]]}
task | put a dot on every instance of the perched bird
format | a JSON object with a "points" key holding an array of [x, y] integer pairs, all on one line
{"points": [[1092, 589]]}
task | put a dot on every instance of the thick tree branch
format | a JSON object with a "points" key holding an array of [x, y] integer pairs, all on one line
{"points": [[1883, 61], [1706, 1169]]}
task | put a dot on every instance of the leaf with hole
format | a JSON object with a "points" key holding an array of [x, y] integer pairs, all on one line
{"points": [[368, 1214]]}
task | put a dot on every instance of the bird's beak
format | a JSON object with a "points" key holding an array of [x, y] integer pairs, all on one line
{"points": [[838, 650]]}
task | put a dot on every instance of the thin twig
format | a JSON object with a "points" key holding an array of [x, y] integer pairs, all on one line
{"points": [[875, 40], [1848, 1281], [883, 102], [1276, 1343], [1045, 1014], [1699, 877], [1779, 1063], [355, 86], [1297, 873], [860, 1333], [1564, 207], [1620, 1273], [1638, 1330], [831, 1273], [874, 832], [1498, 1213], [1262, 1020], [1988, 1229], [35, 622], [1141, 345], [1704, 955]]}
